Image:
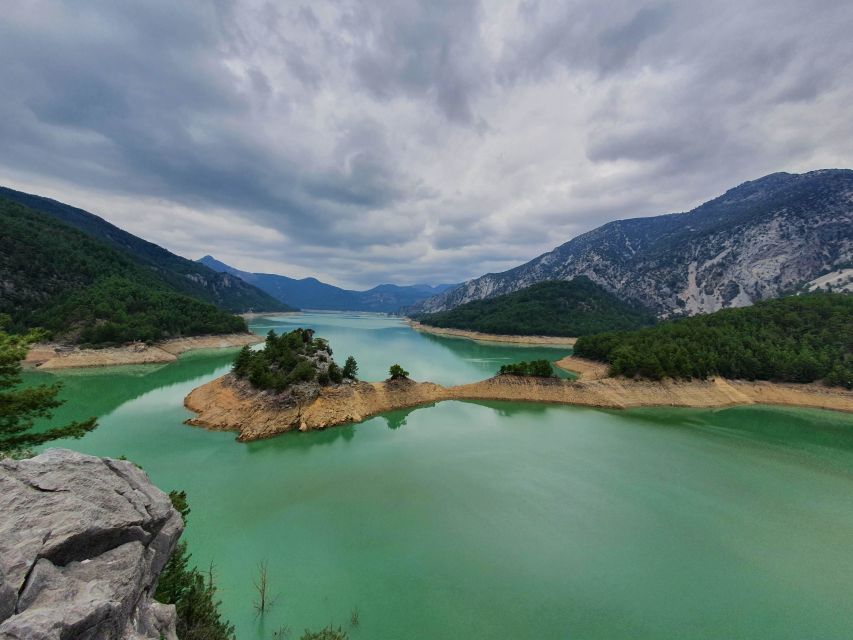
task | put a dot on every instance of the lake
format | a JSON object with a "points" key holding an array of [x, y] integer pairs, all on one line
{"points": [[498, 520]]}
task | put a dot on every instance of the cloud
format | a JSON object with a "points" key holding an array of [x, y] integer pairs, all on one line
{"points": [[366, 141]]}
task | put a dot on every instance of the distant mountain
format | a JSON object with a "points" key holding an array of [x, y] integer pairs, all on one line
{"points": [[557, 308], [310, 293], [186, 276], [86, 291], [759, 240]]}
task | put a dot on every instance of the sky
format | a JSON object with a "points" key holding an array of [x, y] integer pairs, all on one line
{"points": [[395, 141]]}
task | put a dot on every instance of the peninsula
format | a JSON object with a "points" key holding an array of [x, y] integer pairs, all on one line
{"points": [[491, 337], [53, 356], [229, 404]]}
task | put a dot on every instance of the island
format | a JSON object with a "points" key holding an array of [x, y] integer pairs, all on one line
{"points": [[287, 386]]}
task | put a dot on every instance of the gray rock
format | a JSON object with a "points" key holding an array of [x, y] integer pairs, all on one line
{"points": [[82, 543], [759, 240]]}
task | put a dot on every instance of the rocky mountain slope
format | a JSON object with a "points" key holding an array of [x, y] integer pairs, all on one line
{"points": [[759, 240], [310, 293], [82, 543], [186, 276]]}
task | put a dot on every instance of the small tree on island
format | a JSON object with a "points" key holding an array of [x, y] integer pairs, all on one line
{"points": [[397, 372], [19, 408], [534, 368], [350, 369]]}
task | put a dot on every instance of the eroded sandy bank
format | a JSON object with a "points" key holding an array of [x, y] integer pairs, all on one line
{"points": [[54, 356], [492, 337], [585, 369], [227, 405]]}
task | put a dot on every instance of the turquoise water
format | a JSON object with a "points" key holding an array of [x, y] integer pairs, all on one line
{"points": [[499, 520]]}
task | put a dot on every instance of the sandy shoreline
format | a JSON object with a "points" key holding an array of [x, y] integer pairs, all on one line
{"points": [[51, 357], [492, 337], [226, 405], [585, 369]]}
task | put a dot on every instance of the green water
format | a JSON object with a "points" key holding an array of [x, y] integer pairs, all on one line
{"points": [[500, 520]]}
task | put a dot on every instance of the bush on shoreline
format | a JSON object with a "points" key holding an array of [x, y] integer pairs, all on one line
{"points": [[532, 369]]}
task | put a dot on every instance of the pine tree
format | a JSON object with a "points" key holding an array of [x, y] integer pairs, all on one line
{"points": [[350, 368], [20, 408]]}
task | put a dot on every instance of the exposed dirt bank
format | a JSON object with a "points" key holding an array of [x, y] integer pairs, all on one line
{"points": [[586, 369], [492, 337], [54, 356], [228, 405]]}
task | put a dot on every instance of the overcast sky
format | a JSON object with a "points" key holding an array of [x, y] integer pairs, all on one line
{"points": [[365, 142]]}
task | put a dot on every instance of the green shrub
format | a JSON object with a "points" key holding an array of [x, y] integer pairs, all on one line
{"points": [[396, 372], [193, 594], [335, 373], [350, 368], [534, 368]]}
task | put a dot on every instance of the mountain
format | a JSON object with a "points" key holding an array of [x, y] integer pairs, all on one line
{"points": [[85, 291], [758, 240], [555, 308], [186, 276], [310, 293]]}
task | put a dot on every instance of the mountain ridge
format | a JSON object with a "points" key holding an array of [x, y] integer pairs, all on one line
{"points": [[186, 276], [758, 240], [86, 291], [311, 293]]}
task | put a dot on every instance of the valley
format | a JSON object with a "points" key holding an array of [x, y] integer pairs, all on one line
{"points": [[341, 506]]}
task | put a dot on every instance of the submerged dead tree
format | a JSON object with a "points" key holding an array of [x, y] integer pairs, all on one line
{"points": [[264, 599]]}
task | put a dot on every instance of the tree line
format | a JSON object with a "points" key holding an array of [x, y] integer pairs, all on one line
{"points": [[794, 339], [82, 290], [555, 308]]}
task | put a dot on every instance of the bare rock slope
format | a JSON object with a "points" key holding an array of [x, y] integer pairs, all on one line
{"points": [[82, 543], [759, 240]]}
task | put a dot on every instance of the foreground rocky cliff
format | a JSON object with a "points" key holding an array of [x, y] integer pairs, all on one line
{"points": [[82, 543], [756, 241]]}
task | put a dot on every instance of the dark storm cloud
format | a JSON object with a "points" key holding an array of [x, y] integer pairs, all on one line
{"points": [[373, 141]]}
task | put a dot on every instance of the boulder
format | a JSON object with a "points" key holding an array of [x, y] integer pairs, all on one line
{"points": [[82, 543]]}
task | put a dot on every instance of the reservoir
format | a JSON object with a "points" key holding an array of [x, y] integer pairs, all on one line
{"points": [[497, 520]]}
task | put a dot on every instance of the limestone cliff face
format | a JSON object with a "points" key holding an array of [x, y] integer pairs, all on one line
{"points": [[82, 543], [759, 240]]}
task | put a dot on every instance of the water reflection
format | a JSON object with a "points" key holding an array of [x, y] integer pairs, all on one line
{"points": [[99, 391]]}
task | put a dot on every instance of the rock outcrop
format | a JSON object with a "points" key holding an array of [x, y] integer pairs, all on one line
{"points": [[82, 543]]}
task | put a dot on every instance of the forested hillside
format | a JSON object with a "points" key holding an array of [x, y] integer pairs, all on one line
{"points": [[796, 339], [186, 276], [574, 308], [85, 291]]}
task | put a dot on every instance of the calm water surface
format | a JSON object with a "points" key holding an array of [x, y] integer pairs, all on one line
{"points": [[499, 520]]}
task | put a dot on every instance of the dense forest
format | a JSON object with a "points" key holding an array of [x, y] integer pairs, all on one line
{"points": [[797, 339], [84, 291], [556, 308], [181, 275], [289, 359]]}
